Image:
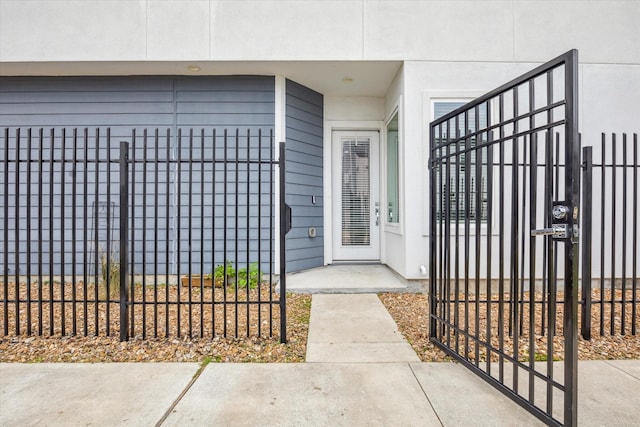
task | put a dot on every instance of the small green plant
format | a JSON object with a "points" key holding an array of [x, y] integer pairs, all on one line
{"points": [[219, 270], [219, 273], [252, 277]]}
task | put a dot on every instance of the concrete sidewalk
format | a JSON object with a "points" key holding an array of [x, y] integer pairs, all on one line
{"points": [[385, 386]]}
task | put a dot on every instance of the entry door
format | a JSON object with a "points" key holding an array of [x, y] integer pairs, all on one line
{"points": [[355, 201]]}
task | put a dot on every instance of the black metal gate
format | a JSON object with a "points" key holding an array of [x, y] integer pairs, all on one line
{"points": [[160, 235], [504, 230]]}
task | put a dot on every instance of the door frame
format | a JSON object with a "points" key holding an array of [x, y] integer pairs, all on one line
{"points": [[329, 128]]}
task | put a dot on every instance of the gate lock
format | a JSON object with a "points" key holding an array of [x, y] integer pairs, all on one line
{"points": [[559, 229]]}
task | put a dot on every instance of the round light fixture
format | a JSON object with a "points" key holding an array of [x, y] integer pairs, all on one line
{"points": [[194, 68]]}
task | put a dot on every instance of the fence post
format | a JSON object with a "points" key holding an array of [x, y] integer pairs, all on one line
{"points": [[283, 232], [586, 236], [124, 239]]}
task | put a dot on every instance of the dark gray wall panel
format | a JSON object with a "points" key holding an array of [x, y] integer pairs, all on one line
{"points": [[122, 103], [304, 117]]}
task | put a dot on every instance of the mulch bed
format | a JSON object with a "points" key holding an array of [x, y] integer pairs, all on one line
{"points": [[185, 324], [410, 311]]}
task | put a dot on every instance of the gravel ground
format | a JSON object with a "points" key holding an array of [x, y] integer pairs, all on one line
{"points": [[410, 311], [201, 318]]}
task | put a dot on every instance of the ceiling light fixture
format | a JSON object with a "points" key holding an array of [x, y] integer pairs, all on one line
{"points": [[347, 79], [194, 68]]}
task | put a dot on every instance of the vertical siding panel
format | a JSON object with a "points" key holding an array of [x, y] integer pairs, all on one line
{"points": [[304, 116], [125, 103]]}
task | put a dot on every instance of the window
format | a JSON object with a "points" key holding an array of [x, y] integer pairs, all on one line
{"points": [[393, 188], [460, 179]]}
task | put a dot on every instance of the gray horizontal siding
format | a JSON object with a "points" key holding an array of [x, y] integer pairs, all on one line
{"points": [[125, 103], [304, 169]]}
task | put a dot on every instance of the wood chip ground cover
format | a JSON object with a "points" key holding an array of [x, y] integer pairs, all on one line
{"points": [[197, 319], [410, 312]]}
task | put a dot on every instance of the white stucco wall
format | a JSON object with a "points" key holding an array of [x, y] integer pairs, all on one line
{"points": [[220, 30], [609, 101]]}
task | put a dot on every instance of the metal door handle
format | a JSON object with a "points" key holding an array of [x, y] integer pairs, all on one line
{"points": [[558, 231], [377, 216]]}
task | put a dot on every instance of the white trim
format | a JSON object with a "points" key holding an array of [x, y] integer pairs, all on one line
{"points": [[395, 228], [280, 134], [329, 127]]}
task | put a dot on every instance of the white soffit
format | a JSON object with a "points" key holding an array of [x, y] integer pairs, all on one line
{"points": [[334, 78]]}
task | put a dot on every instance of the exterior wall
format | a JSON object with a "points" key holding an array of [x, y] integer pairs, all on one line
{"points": [[219, 30], [607, 103], [445, 47], [126, 103], [304, 157]]}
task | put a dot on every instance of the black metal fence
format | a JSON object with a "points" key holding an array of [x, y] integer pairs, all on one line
{"points": [[503, 281], [610, 284], [159, 235]]}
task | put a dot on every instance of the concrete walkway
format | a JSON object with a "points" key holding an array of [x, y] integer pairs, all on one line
{"points": [[360, 372], [352, 279]]}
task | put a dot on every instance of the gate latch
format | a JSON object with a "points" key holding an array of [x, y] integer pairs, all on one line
{"points": [[557, 231], [559, 223]]}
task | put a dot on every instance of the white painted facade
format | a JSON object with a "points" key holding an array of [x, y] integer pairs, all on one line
{"points": [[368, 58]]}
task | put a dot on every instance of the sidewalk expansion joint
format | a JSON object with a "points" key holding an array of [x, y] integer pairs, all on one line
{"points": [[425, 394], [182, 393]]}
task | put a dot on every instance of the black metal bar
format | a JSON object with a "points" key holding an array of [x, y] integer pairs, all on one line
{"points": [[28, 218], [249, 228], [124, 239], [612, 303], [533, 182], [432, 237], [467, 228], [178, 232], [478, 233], [145, 155], [260, 231], [272, 225], [167, 242], [40, 229], [515, 244], [96, 283], [550, 255], [74, 205], [51, 216], [213, 233], [634, 313], [190, 233], [587, 224], [489, 246], [156, 190], [623, 308], [225, 216], [17, 236], [132, 227], [572, 181], [458, 160], [85, 232], [501, 249], [63, 178], [283, 240], [236, 240], [109, 249], [443, 295], [202, 274], [602, 230], [5, 273]]}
